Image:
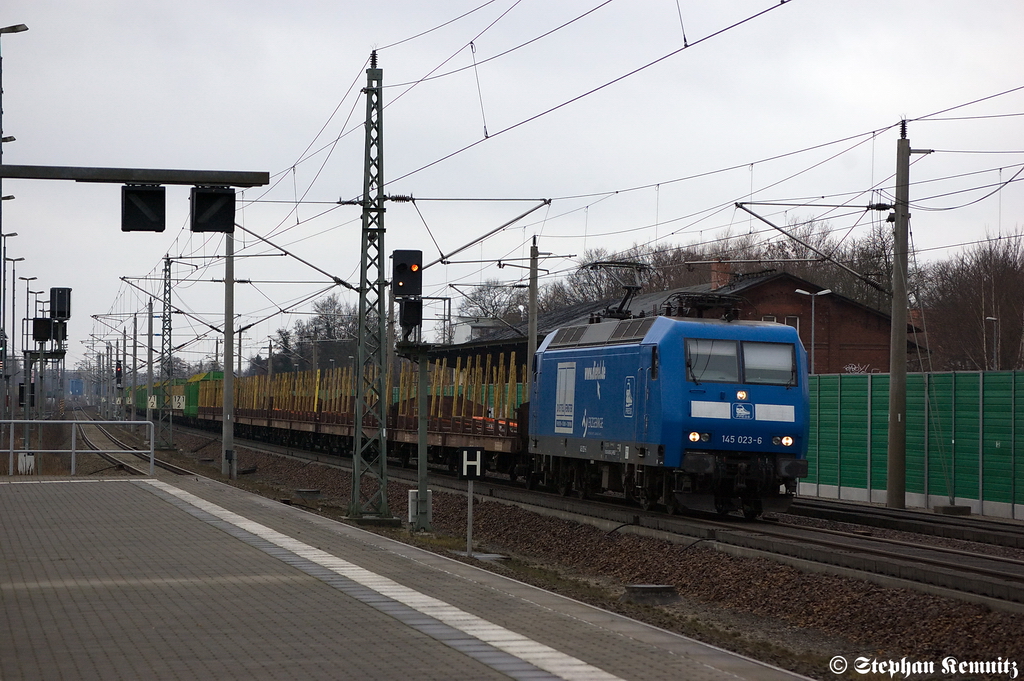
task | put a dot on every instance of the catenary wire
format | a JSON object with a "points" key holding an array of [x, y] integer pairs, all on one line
{"points": [[439, 26], [587, 93]]}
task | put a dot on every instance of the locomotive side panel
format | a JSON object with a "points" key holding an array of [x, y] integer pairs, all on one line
{"points": [[588, 403]]}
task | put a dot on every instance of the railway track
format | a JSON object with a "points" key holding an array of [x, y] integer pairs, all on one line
{"points": [[893, 562], [973, 529], [916, 563], [103, 442]]}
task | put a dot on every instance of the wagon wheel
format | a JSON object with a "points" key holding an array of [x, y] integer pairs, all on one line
{"points": [[565, 484]]}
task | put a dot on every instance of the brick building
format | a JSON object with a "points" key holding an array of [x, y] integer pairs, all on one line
{"points": [[849, 337]]}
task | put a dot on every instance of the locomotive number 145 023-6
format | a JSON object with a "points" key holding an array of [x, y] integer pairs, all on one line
{"points": [[741, 440]]}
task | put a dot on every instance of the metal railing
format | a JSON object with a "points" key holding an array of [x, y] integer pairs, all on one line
{"points": [[75, 425]]}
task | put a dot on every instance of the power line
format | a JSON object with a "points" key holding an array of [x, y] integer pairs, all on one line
{"points": [[998, 187], [589, 92], [439, 26], [933, 115], [500, 54]]}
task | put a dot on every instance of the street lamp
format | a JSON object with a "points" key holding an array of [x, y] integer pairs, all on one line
{"points": [[24, 327], [14, 28], [29, 329], [6, 352], [30, 336], [25, 348], [14, 274], [995, 341], [813, 297]]}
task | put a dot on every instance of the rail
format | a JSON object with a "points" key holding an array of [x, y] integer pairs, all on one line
{"points": [[75, 425]]}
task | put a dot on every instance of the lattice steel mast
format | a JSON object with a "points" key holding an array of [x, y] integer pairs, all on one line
{"points": [[165, 434], [369, 459]]}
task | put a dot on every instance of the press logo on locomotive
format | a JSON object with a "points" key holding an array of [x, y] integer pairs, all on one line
{"points": [[597, 372]]}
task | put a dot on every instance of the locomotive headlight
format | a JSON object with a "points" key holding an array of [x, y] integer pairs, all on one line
{"points": [[694, 436], [785, 441], [705, 437], [741, 395]]}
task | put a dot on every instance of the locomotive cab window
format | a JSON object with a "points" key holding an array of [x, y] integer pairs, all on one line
{"points": [[769, 363], [712, 360]]}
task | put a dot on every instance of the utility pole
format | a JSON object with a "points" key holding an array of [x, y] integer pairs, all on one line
{"points": [[120, 378], [228, 464], [135, 366], [270, 378], [896, 486], [531, 340], [369, 460], [149, 364], [421, 518], [165, 439]]}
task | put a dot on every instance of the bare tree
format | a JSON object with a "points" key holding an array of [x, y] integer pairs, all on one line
{"points": [[328, 337], [974, 307], [494, 300]]}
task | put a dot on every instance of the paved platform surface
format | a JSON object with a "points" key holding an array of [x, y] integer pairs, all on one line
{"points": [[185, 578]]}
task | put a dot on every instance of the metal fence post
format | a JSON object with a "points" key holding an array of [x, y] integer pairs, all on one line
{"points": [[74, 446]]}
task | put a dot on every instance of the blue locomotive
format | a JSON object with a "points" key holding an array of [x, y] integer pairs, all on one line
{"points": [[688, 413]]}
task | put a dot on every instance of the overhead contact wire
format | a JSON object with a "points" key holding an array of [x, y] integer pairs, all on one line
{"points": [[591, 91]]}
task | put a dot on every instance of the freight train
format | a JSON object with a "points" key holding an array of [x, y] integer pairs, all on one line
{"points": [[680, 412]]}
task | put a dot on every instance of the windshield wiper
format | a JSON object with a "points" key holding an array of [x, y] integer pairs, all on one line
{"points": [[689, 370]]}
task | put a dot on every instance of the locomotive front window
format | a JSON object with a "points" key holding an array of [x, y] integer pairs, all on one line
{"points": [[712, 360], [769, 363]]}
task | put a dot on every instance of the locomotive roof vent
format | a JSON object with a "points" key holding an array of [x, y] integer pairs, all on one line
{"points": [[626, 331]]}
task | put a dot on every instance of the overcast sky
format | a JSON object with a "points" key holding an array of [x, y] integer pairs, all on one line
{"points": [[275, 87]]}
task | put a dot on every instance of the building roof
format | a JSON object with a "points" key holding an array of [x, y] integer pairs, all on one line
{"points": [[732, 294]]}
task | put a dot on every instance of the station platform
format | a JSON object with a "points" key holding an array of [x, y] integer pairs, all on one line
{"points": [[187, 578]]}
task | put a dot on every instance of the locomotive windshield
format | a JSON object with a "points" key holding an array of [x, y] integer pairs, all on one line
{"points": [[718, 361], [712, 360], [769, 363]]}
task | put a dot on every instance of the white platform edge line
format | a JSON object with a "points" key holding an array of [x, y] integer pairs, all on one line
{"points": [[541, 656]]}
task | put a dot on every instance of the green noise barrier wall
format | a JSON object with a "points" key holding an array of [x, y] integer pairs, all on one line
{"points": [[965, 439]]}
